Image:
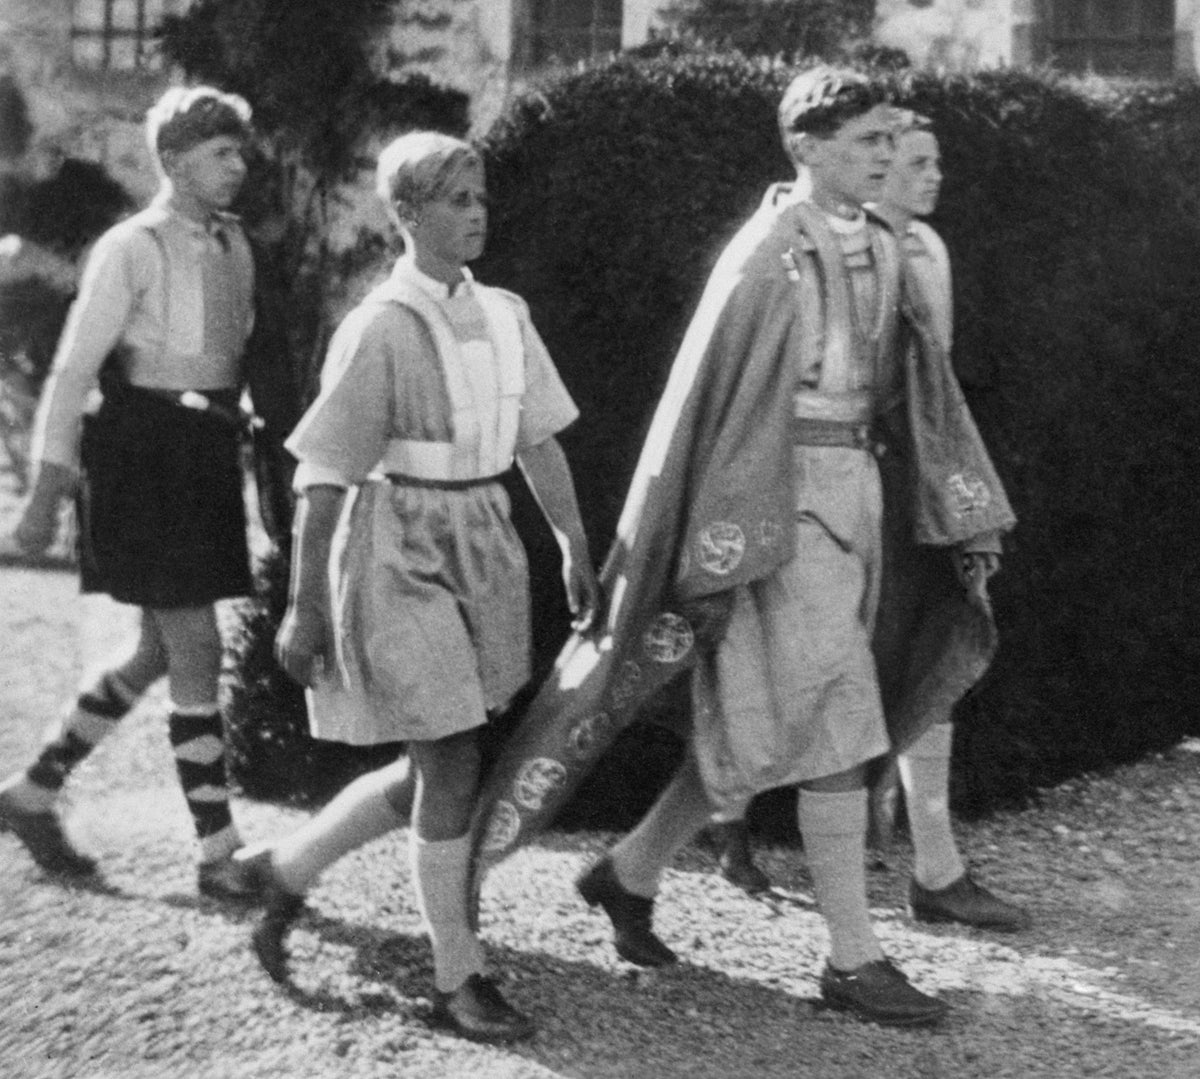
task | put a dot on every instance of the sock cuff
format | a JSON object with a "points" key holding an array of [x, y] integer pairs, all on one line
{"points": [[207, 708]]}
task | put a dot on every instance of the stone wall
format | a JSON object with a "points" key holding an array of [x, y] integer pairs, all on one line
{"points": [[953, 35], [75, 113]]}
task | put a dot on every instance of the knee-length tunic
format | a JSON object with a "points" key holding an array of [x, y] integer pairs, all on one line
{"points": [[791, 692], [429, 584]]}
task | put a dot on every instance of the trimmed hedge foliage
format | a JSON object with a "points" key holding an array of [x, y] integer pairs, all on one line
{"points": [[614, 189]]}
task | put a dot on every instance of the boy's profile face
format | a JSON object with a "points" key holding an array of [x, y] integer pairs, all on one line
{"points": [[209, 173], [851, 165], [450, 229], [915, 178]]}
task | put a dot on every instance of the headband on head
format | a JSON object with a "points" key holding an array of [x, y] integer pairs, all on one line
{"points": [[185, 117], [825, 94]]}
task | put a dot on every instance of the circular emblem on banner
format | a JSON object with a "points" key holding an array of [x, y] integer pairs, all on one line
{"points": [[503, 827], [720, 547], [668, 639], [627, 683], [586, 734], [537, 779]]}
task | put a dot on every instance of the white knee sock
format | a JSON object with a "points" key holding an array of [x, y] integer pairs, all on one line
{"points": [[439, 870], [925, 773], [833, 827], [359, 813], [680, 812]]}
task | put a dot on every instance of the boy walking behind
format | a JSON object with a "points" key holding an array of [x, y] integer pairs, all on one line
{"points": [[160, 325]]}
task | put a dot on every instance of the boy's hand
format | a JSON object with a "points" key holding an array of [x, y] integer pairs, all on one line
{"points": [[304, 645], [974, 569], [38, 525], [583, 593]]}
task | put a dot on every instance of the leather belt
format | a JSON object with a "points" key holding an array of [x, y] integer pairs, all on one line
{"points": [[403, 480], [841, 433], [200, 402]]}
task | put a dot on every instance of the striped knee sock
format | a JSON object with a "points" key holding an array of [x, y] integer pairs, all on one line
{"points": [[198, 741], [92, 718]]}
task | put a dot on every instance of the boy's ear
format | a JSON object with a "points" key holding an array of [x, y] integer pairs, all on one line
{"points": [[797, 144], [167, 161]]}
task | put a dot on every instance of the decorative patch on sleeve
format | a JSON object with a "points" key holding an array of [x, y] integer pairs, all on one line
{"points": [[968, 492]]}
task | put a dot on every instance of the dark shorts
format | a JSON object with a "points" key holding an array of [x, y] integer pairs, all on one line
{"points": [[162, 522]]}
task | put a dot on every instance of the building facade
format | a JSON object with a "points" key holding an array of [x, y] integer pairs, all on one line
{"points": [[89, 68]]}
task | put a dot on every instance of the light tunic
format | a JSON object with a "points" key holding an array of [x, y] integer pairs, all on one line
{"points": [[791, 693], [429, 585], [175, 296]]}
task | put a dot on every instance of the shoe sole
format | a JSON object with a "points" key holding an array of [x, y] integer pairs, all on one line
{"points": [[269, 951], [859, 1012], [452, 1026], [937, 918], [80, 869]]}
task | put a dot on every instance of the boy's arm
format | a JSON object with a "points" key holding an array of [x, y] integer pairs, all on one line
{"points": [[94, 326], [305, 641], [549, 477]]}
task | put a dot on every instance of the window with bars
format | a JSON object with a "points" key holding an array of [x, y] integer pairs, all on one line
{"points": [[1112, 37], [117, 35], [571, 30]]}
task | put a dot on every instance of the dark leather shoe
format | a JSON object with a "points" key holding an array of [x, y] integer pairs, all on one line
{"points": [[967, 902], [880, 993], [630, 915], [734, 859], [226, 879], [282, 908], [43, 837], [477, 1011]]}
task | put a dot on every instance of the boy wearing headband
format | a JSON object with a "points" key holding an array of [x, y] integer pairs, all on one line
{"points": [[159, 327], [759, 478]]}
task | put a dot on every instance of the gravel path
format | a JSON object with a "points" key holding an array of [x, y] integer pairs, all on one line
{"points": [[137, 979]]}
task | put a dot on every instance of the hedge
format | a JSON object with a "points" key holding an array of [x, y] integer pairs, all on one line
{"points": [[615, 187]]}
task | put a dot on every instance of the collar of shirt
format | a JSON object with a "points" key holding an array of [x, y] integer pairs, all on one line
{"points": [[406, 270], [212, 229]]}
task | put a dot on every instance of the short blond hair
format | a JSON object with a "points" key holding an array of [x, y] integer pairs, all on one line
{"points": [[416, 167]]}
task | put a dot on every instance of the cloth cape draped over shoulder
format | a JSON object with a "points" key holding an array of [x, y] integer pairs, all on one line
{"points": [[710, 508]]}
